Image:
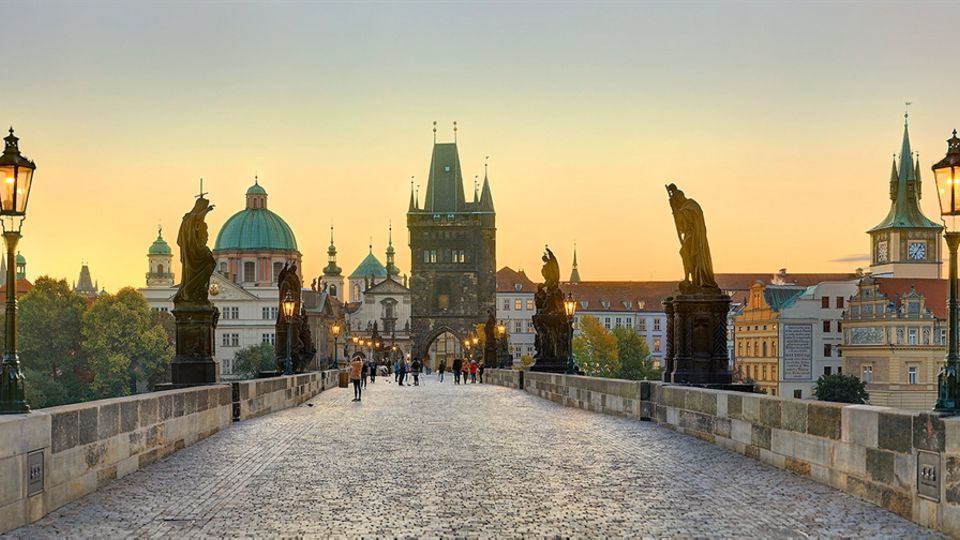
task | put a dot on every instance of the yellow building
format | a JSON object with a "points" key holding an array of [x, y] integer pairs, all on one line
{"points": [[894, 335], [756, 335]]}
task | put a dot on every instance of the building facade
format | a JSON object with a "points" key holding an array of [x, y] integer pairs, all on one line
{"points": [[515, 309], [453, 253]]}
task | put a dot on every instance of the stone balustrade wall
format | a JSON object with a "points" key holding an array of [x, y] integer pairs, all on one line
{"points": [[502, 377], [83, 446], [871, 452]]}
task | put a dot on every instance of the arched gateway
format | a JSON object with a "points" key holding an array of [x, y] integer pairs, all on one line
{"points": [[445, 345]]}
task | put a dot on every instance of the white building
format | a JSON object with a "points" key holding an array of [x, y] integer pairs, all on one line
{"points": [[515, 309]]}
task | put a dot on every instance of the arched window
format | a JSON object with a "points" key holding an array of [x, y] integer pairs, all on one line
{"points": [[159, 268], [333, 290], [249, 272], [277, 267], [764, 348]]}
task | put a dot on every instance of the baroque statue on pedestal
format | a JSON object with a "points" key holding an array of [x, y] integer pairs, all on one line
{"points": [[196, 257]]}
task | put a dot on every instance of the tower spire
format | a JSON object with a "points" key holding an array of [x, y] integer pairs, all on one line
{"points": [[486, 196], [575, 272], [413, 200], [332, 269]]}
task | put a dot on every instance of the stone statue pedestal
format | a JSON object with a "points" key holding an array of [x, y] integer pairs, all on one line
{"points": [[194, 364], [550, 365], [697, 339]]}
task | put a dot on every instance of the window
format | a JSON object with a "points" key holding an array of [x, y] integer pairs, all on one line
{"points": [[529, 327], [225, 340], [827, 350], [517, 327], [277, 268], [629, 323], [231, 312], [798, 394], [618, 322], [912, 375], [426, 256], [839, 302], [268, 338], [249, 272], [606, 322], [656, 325], [269, 313], [656, 344], [826, 326], [739, 348], [506, 304], [642, 325], [839, 370], [827, 370], [223, 268], [839, 326], [333, 290], [825, 302], [518, 304], [530, 306], [912, 336], [867, 374], [764, 349]]}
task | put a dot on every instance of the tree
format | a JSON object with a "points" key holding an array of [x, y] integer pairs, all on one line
{"points": [[841, 389], [636, 364], [595, 350], [123, 346], [251, 360], [49, 319]]}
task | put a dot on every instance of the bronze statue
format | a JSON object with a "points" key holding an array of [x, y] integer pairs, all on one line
{"points": [[694, 249], [196, 257], [490, 340], [553, 329]]}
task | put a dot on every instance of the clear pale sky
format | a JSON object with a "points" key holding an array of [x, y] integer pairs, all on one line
{"points": [[780, 119]]}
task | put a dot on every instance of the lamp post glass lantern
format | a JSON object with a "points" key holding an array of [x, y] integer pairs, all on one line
{"points": [[946, 172], [570, 307], [16, 178], [501, 345], [336, 341], [288, 305]]}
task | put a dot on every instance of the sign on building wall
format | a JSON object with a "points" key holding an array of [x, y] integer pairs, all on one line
{"points": [[797, 352]]}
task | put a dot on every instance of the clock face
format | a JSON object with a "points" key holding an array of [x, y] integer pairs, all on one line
{"points": [[882, 251], [917, 251]]}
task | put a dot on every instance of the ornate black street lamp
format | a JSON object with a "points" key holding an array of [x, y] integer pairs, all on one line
{"points": [[288, 305], [570, 308], [16, 176], [947, 174], [501, 344], [336, 335]]}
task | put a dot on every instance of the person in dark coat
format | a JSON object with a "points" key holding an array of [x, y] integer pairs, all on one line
{"points": [[416, 367], [457, 363]]}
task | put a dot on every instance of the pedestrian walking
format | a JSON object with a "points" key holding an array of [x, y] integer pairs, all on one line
{"points": [[364, 373], [441, 368], [416, 368], [465, 370], [480, 370], [457, 363], [473, 371], [402, 366], [373, 373], [356, 369], [396, 371]]}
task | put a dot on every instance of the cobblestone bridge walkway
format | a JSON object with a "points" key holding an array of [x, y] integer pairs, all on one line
{"points": [[477, 461]]}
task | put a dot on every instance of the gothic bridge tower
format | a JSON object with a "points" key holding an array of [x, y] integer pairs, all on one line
{"points": [[453, 258]]}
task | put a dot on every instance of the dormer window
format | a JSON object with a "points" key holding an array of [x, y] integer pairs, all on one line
{"points": [[517, 287], [605, 304], [584, 304], [446, 168], [641, 304]]}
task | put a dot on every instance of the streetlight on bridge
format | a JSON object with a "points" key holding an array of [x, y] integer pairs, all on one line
{"points": [[336, 335], [17, 173], [501, 345], [947, 175], [570, 307], [288, 304]]}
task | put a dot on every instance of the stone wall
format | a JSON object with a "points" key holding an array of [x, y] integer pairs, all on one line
{"points": [[871, 452], [502, 377], [263, 396], [81, 447]]}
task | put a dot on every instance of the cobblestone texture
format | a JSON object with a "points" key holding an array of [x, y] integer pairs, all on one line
{"points": [[477, 461]]}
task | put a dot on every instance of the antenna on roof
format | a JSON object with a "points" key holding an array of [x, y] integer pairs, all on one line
{"points": [[454, 131], [485, 160], [906, 111], [434, 132]]}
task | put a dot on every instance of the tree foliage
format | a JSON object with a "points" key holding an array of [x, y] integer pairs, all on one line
{"points": [[251, 360], [595, 350], [841, 389], [635, 361], [122, 344], [49, 320]]}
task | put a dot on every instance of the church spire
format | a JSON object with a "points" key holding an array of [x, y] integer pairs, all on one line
{"points": [[413, 199], [575, 273], [332, 269], [894, 179], [486, 196], [392, 269]]}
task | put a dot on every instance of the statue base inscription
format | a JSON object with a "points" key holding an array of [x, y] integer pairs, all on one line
{"points": [[194, 364], [697, 339]]}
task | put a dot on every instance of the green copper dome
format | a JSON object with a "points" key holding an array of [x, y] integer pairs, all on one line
{"points": [[159, 246], [255, 228], [370, 266], [21, 259]]}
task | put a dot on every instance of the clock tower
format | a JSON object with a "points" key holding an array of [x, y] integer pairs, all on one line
{"points": [[905, 244]]}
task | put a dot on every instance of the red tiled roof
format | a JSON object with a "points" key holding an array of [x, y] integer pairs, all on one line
{"points": [[23, 286], [508, 279], [934, 292]]}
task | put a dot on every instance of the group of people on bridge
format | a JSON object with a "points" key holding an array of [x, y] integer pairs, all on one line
{"points": [[362, 371]]}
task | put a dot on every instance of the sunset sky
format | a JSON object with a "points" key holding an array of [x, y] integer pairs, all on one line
{"points": [[779, 119]]}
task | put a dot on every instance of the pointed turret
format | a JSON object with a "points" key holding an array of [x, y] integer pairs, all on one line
{"points": [[332, 269], [905, 193], [392, 269], [486, 196], [575, 273], [413, 199], [85, 286], [894, 178], [916, 176], [445, 183]]}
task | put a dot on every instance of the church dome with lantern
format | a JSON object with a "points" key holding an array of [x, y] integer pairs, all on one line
{"points": [[255, 243]]}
